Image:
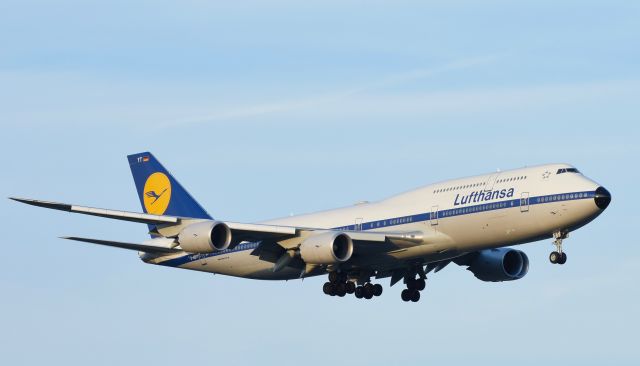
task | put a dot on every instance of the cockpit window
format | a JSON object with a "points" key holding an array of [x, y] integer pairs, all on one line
{"points": [[568, 170]]}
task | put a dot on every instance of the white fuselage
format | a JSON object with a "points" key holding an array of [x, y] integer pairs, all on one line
{"points": [[456, 216]]}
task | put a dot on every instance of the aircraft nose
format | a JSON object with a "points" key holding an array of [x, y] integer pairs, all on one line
{"points": [[602, 198]]}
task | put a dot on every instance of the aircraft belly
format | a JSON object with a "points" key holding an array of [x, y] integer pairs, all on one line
{"points": [[241, 264]]}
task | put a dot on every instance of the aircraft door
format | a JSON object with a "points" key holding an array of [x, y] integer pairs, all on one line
{"points": [[434, 216], [358, 226], [488, 184], [524, 202]]}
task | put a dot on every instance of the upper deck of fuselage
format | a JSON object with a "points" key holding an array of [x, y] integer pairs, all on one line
{"points": [[398, 204], [480, 182]]}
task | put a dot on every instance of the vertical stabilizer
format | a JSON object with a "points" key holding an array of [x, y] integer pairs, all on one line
{"points": [[159, 192]]}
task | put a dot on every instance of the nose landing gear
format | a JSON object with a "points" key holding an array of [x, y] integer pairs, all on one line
{"points": [[558, 256]]}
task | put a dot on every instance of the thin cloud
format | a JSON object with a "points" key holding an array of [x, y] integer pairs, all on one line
{"points": [[313, 101]]}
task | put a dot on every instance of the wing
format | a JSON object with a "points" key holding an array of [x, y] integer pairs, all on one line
{"points": [[275, 241], [170, 226], [111, 214], [167, 224], [145, 247]]}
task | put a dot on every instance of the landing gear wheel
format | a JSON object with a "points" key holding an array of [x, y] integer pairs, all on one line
{"points": [[351, 287], [411, 284], [563, 258], [377, 289], [555, 257], [341, 289], [331, 289], [406, 295], [415, 296], [368, 291], [359, 292], [334, 277], [327, 288], [416, 284]]}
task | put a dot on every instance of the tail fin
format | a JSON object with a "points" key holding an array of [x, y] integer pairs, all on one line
{"points": [[159, 192]]}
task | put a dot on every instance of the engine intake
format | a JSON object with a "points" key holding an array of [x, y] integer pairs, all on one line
{"points": [[205, 237], [327, 248], [497, 265]]}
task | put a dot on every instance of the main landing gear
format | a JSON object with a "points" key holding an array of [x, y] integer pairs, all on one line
{"points": [[339, 285], [412, 292], [558, 256], [368, 291]]}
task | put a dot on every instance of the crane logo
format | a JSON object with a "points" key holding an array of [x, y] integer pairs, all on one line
{"points": [[157, 193]]}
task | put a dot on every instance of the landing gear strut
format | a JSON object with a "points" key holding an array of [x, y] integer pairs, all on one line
{"points": [[558, 256]]}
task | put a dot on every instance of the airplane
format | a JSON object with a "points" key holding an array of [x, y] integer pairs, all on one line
{"points": [[467, 221]]}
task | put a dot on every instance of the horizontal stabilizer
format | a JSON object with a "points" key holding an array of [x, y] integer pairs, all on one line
{"points": [[131, 246], [112, 214]]}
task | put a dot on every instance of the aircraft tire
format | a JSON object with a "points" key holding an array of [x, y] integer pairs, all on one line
{"points": [[334, 277], [406, 295], [377, 289], [332, 290], [368, 291], [411, 284], [351, 287], [563, 258], [415, 296]]}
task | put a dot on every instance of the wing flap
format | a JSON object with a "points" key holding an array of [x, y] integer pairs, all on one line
{"points": [[261, 228], [399, 239], [364, 241]]}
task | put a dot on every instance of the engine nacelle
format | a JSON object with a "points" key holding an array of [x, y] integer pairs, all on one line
{"points": [[497, 265], [205, 237], [327, 248]]}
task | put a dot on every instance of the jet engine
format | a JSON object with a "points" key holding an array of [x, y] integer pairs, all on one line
{"points": [[205, 237], [327, 248], [497, 265]]}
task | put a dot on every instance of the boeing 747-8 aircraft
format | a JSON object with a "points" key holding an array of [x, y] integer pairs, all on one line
{"points": [[467, 221]]}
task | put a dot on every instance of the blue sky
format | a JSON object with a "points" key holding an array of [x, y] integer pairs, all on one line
{"points": [[264, 109]]}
